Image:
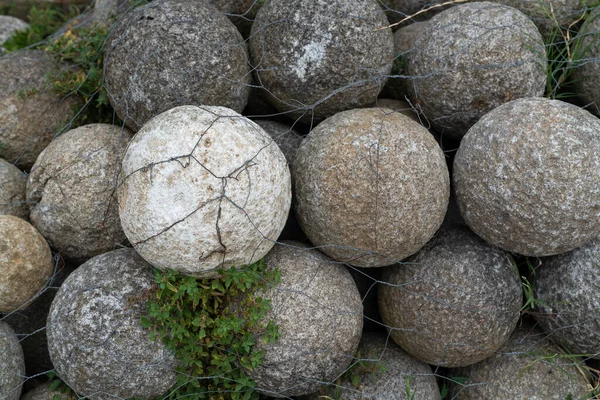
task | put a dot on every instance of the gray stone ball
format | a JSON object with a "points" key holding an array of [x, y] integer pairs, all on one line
{"points": [[371, 187], [43, 392], [71, 191], [320, 316], [203, 188], [472, 58], [527, 366], [399, 106], [12, 364], [12, 190], [95, 338], [285, 136], [566, 287], [9, 25], [411, 10], [25, 263], [527, 177], [455, 302], [30, 112], [317, 58], [586, 75], [171, 53]]}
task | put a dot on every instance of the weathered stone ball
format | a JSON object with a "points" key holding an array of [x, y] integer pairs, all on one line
{"points": [[400, 106], [527, 177], [171, 53], [586, 75], [411, 10], [455, 302], [549, 15], [12, 364], [95, 338], [30, 112], [568, 301], [317, 58], [528, 366], [203, 188], [25, 263], [43, 392], [371, 186], [9, 25], [285, 136], [71, 191], [12, 190], [471, 59], [319, 313]]}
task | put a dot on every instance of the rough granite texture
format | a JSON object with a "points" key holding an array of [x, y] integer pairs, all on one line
{"points": [[528, 366], [43, 392], [399, 106], [30, 113], [586, 76], [455, 302], [566, 287], [203, 188], [527, 177], [71, 191], [8, 26], [320, 316], [371, 187], [95, 337], [547, 15], [12, 190], [25, 263], [106, 11], [285, 136], [12, 364], [471, 59], [318, 57], [171, 53], [398, 10]]}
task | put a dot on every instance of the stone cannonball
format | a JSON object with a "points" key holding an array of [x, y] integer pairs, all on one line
{"points": [[43, 392], [171, 53], [455, 302], [12, 364], [285, 136], [527, 177], [320, 316], [371, 186], [203, 188], [472, 58], [12, 190], [317, 58], [25, 263], [95, 338], [586, 75]]}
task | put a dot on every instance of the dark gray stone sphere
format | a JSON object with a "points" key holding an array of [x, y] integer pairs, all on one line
{"points": [[320, 57], [586, 75], [12, 191], [12, 364], [527, 177], [95, 337], [285, 136], [472, 58], [455, 302], [566, 287], [171, 53], [43, 392]]}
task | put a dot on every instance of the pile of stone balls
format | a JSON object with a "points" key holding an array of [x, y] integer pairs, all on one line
{"points": [[262, 131]]}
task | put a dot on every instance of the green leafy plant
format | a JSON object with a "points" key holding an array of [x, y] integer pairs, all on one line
{"points": [[55, 383]]}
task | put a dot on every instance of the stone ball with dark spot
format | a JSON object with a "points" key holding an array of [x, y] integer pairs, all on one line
{"points": [[12, 191], [12, 364], [586, 74]]}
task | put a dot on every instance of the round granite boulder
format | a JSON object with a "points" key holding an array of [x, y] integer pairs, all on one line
{"points": [[472, 58], [171, 53], [586, 75], [216, 196], [12, 364], [8, 26], [317, 58], [95, 338], [285, 136], [12, 190], [25, 263], [43, 392], [455, 302], [71, 191], [527, 177], [320, 316], [371, 186]]}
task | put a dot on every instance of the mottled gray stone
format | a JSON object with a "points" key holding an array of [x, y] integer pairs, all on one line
{"points": [[106, 11], [8, 26], [371, 186], [319, 313], [25, 263], [43, 392], [95, 337], [586, 75], [566, 287], [12, 190], [285, 136], [471, 59], [318, 57], [171, 53], [12, 364], [71, 191], [216, 197], [528, 366], [455, 302], [527, 177], [414, 10], [400, 106]]}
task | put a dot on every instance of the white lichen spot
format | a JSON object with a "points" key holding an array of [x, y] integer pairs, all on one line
{"points": [[311, 56]]}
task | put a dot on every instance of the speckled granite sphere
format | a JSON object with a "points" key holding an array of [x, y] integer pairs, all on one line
{"points": [[586, 75], [319, 313], [8, 26], [527, 177], [12, 364], [95, 338], [43, 392], [71, 191], [471, 59], [318, 57], [371, 186], [285, 136], [203, 188], [12, 190], [548, 15], [455, 302], [171, 53]]}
